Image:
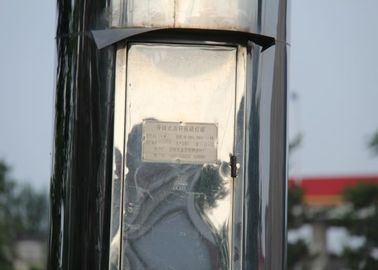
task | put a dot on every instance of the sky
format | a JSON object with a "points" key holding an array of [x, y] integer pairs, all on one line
{"points": [[27, 60], [333, 71]]}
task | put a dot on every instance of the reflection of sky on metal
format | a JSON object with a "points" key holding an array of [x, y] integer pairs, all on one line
{"points": [[211, 14], [220, 214], [180, 84], [333, 69]]}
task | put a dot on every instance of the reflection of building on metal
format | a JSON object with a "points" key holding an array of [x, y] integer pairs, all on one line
{"points": [[163, 197]]}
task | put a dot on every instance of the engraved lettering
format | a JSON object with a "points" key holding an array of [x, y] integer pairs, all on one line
{"points": [[178, 142]]}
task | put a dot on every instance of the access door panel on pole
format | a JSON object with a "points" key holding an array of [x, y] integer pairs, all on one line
{"points": [[177, 132]]}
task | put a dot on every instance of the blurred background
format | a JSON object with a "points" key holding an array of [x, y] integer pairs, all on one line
{"points": [[333, 133]]}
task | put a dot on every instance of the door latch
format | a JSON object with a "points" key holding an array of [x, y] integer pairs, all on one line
{"points": [[233, 165]]}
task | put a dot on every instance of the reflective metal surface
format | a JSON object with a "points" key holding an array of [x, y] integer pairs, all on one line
{"points": [[182, 206], [254, 240], [81, 181], [87, 190], [206, 14], [260, 17]]}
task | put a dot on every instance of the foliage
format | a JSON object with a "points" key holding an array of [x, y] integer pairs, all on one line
{"points": [[294, 196], [296, 252], [295, 143], [358, 259], [295, 217], [373, 144], [6, 232], [362, 220], [35, 268], [362, 195], [23, 212], [31, 212]]}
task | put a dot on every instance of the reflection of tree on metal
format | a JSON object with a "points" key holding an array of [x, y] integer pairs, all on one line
{"points": [[212, 181], [167, 213]]}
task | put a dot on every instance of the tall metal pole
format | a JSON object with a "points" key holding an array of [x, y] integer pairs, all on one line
{"points": [[84, 183]]}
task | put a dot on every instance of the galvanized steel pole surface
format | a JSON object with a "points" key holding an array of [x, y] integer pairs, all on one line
{"points": [[83, 151]]}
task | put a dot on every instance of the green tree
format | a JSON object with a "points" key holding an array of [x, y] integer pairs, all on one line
{"points": [[23, 212], [373, 144], [297, 252], [31, 213], [295, 217], [6, 228], [361, 220]]}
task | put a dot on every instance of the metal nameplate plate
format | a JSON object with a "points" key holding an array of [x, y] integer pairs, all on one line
{"points": [[178, 142]]}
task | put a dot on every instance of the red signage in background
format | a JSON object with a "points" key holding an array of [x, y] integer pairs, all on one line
{"points": [[327, 190]]}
